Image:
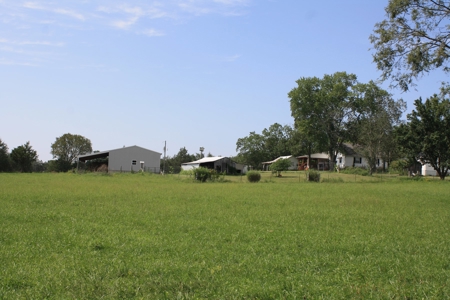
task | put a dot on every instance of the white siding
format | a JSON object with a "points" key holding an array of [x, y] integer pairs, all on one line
{"points": [[189, 167], [428, 170]]}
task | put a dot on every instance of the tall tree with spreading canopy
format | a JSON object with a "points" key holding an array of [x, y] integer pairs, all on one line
{"points": [[427, 134], [68, 147], [379, 113], [23, 158], [325, 110], [251, 149], [413, 40], [275, 141]]}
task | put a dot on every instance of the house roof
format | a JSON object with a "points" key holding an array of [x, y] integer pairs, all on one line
{"points": [[278, 158], [349, 149], [205, 160], [103, 154], [315, 155]]}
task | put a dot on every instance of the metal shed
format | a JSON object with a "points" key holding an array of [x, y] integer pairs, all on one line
{"points": [[128, 159], [218, 163]]}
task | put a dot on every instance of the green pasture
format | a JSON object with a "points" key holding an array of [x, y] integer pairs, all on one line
{"points": [[141, 236]]}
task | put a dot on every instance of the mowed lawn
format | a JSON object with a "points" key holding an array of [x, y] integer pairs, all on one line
{"points": [[140, 236]]}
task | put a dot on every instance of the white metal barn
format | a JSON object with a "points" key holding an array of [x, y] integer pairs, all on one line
{"points": [[127, 159], [218, 163]]}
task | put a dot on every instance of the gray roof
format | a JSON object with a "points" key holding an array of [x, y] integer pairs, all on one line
{"points": [[103, 154], [349, 149]]}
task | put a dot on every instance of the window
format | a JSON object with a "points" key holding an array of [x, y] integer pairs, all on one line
{"points": [[133, 162], [340, 160]]}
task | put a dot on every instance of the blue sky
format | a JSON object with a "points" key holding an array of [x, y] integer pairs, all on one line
{"points": [[190, 72]]}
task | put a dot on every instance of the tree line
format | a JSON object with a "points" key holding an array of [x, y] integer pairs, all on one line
{"points": [[327, 113], [172, 165], [24, 158], [65, 151], [412, 41], [337, 109]]}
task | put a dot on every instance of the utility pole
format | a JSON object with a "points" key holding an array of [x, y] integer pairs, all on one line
{"points": [[201, 151]]}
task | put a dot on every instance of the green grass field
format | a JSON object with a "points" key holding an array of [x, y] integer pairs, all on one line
{"points": [[140, 236]]}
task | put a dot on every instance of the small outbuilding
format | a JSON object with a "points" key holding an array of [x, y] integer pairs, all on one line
{"points": [[218, 163], [127, 159]]}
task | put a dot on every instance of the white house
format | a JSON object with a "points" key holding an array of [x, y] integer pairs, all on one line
{"points": [[351, 158], [292, 159]]}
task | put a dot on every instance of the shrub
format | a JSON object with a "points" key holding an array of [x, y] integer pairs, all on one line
{"points": [[280, 165], [399, 166], [201, 174], [313, 176], [253, 176]]}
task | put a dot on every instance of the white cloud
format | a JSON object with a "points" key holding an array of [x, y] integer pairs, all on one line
{"points": [[61, 11], [232, 2], [8, 62], [38, 43], [132, 14], [69, 13], [152, 32], [203, 7], [125, 24], [232, 58]]}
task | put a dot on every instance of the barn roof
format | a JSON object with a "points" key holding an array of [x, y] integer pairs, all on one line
{"points": [[104, 154], [278, 158], [205, 160]]}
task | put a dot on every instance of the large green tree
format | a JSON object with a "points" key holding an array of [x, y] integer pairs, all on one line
{"points": [[173, 164], [5, 162], [252, 149], [325, 110], [23, 158], [378, 114], [68, 147], [413, 40], [426, 136], [275, 141]]}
